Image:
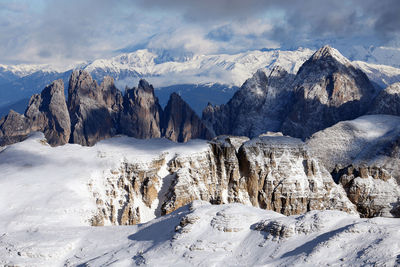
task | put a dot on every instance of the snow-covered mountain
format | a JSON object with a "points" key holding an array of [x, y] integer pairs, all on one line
{"points": [[47, 210], [222, 68], [199, 78], [276, 199]]}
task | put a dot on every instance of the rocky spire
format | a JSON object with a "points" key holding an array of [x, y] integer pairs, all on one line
{"points": [[93, 109], [47, 112], [181, 123], [140, 117]]}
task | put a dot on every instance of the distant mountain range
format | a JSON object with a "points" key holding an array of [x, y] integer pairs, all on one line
{"points": [[199, 79]]}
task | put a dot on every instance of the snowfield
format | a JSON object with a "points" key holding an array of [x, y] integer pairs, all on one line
{"points": [[46, 205]]}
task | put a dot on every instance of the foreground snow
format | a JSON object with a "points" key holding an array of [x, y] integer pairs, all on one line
{"points": [[204, 235]]}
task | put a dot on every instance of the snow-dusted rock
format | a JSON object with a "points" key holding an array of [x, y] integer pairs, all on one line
{"points": [[387, 102], [274, 173], [260, 105], [363, 154], [328, 89]]}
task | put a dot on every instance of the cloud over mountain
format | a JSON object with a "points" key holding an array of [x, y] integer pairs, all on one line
{"points": [[53, 30]]}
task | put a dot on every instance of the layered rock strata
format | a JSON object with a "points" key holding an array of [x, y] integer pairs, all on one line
{"points": [[270, 172]]}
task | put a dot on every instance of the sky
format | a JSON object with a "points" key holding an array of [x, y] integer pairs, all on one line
{"points": [[64, 32]]}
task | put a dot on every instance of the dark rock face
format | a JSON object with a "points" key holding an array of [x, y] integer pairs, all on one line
{"points": [[141, 112], [260, 105], [328, 89], [388, 101], [46, 112], [13, 128], [180, 122], [93, 109], [96, 112]]}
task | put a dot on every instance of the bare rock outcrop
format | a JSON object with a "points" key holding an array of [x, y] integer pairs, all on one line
{"points": [[141, 113], [47, 112], [260, 105], [274, 173], [181, 123], [372, 189], [93, 109]]}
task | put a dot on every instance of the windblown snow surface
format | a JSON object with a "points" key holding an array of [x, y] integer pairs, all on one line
{"points": [[45, 205]]}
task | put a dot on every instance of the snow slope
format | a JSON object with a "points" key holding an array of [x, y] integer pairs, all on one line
{"points": [[51, 185], [381, 74], [201, 234], [353, 141]]}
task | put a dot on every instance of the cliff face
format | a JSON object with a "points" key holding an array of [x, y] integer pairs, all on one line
{"points": [[274, 173], [270, 172], [47, 112]]}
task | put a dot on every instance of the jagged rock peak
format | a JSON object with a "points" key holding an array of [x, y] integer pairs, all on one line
{"points": [[56, 124], [258, 80], [93, 109], [328, 89], [143, 84], [82, 80], [328, 52], [141, 113], [181, 123], [47, 112]]}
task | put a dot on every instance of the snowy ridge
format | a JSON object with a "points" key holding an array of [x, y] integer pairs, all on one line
{"points": [[381, 74], [22, 70], [229, 69]]}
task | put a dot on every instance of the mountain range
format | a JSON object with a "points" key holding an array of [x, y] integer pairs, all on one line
{"points": [[314, 148], [209, 78]]}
